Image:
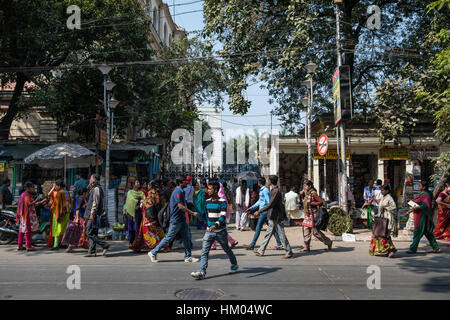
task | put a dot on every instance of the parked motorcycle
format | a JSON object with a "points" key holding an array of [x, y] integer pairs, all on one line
{"points": [[9, 229]]}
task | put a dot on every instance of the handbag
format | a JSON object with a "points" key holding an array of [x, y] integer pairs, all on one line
{"points": [[73, 233], [321, 218], [380, 227], [308, 221]]}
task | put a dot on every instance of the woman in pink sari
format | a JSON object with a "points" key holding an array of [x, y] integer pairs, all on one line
{"points": [[442, 230], [26, 217], [232, 242]]}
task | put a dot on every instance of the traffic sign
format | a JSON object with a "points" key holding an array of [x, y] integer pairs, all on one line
{"points": [[322, 145]]}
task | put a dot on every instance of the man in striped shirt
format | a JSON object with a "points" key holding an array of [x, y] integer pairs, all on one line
{"points": [[216, 221]]}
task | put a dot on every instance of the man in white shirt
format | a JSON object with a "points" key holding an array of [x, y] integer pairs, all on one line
{"points": [[377, 196], [292, 204]]}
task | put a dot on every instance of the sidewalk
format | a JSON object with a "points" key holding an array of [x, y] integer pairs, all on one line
{"points": [[295, 234]]}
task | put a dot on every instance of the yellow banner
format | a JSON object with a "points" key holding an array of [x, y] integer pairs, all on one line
{"points": [[394, 154], [331, 154], [2, 167]]}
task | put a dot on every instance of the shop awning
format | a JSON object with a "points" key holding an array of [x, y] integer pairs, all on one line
{"points": [[5, 154], [18, 152], [148, 149]]}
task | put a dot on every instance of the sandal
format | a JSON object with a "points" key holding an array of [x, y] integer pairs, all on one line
{"points": [[436, 251], [305, 250], [279, 247]]}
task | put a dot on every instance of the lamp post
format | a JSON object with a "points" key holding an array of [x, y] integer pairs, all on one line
{"points": [[105, 69], [310, 68]]}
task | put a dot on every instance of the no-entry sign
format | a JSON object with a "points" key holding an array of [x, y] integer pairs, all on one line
{"points": [[322, 145]]}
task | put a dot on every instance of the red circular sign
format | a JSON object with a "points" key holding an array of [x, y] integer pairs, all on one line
{"points": [[322, 145]]}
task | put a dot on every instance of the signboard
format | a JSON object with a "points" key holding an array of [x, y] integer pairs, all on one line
{"points": [[342, 94], [331, 154], [336, 98], [2, 167], [102, 139], [322, 145], [394, 154]]}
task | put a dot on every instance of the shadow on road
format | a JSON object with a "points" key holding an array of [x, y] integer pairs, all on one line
{"points": [[256, 272], [437, 263]]}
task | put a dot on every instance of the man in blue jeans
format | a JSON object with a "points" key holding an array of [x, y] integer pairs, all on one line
{"points": [[217, 214], [264, 199], [178, 223]]}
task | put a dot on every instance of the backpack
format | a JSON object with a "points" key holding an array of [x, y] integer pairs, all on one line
{"points": [[164, 216]]}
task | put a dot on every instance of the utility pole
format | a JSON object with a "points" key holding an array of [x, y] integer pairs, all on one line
{"points": [[343, 199]]}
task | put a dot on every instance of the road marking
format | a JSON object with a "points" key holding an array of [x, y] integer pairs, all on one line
{"points": [[334, 284]]}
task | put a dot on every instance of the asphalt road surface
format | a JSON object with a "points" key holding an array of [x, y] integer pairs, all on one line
{"points": [[341, 274]]}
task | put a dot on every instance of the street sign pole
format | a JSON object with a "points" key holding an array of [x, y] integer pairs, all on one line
{"points": [[343, 199]]}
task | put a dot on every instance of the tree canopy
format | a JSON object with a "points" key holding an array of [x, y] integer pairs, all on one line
{"points": [[270, 41]]}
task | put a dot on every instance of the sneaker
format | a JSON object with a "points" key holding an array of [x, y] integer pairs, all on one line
{"points": [[234, 268], [234, 244], [191, 259], [152, 257], [199, 275], [89, 255]]}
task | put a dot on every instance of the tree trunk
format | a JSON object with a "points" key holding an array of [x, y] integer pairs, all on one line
{"points": [[13, 109]]}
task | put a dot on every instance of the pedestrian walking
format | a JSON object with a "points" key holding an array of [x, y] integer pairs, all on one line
{"points": [[423, 220], [26, 217], [133, 211], [311, 203], [223, 195], [264, 199], [276, 215], [178, 222], [94, 210], [60, 214], [442, 230], [383, 246], [254, 197], [242, 203], [80, 222], [200, 205], [149, 232], [217, 210]]}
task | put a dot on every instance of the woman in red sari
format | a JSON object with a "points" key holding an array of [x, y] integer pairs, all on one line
{"points": [[26, 217], [442, 230], [423, 220], [150, 233]]}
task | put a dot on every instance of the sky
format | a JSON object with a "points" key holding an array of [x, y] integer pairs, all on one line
{"points": [[190, 17]]}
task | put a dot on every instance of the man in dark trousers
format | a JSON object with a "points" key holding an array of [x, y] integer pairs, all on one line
{"points": [[178, 222], [276, 215], [94, 210]]}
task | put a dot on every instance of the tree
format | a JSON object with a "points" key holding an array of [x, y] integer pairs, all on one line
{"points": [[35, 39], [158, 93], [270, 41]]}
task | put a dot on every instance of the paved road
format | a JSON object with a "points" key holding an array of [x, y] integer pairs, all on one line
{"points": [[340, 274]]}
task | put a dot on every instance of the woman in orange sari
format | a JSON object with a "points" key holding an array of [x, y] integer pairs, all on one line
{"points": [[442, 230]]}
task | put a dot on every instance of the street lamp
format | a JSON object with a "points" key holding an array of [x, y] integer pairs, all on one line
{"points": [[310, 68]]}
